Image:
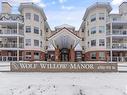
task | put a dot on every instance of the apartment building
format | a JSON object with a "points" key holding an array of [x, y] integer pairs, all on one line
{"points": [[22, 36], [105, 33], [27, 36]]}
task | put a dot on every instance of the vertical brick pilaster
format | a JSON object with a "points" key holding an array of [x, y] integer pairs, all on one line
{"points": [[57, 54], [97, 56], [32, 55], [42, 56], [72, 55]]}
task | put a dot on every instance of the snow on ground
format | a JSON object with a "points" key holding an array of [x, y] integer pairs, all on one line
{"points": [[63, 83]]}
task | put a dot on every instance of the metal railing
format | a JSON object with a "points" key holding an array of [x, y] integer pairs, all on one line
{"points": [[117, 32], [118, 59], [118, 46], [11, 45], [11, 58], [11, 31]]}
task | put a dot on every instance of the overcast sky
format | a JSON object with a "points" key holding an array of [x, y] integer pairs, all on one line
{"points": [[64, 11]]}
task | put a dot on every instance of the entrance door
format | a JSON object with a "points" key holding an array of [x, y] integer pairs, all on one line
{"points": [[64, 54]]}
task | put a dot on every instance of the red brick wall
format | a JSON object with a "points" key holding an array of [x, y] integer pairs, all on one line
{"points": [[87, 56], [57, 54], [42, 55]]}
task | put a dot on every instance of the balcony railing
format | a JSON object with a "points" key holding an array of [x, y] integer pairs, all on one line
{"points": [[11, 45], [117, 32], [118, 46], [11, 32], [11, 58], [108, 19], [118, 59]]}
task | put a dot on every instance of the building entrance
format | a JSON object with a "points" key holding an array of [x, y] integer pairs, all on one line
{"points": [[64, 54]]}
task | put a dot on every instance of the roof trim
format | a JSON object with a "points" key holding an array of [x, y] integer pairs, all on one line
{"points": [[7, 3], [97, 4], [32, 5], [66, 29]]}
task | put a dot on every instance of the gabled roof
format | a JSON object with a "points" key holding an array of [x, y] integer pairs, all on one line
{"points": [[68, 31], [50, 47], [64, 25], [78, 47]]}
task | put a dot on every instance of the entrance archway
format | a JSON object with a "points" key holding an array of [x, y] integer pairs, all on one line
{"points": [[64, 42]]}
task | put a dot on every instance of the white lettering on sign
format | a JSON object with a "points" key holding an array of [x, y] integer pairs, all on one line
{"points": [[62, 67]]}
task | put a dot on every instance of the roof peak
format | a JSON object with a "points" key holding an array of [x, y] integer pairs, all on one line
{"points": [[65, 25]]}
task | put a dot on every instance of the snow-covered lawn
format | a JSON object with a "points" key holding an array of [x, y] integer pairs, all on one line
{"points": [[63, 83]]}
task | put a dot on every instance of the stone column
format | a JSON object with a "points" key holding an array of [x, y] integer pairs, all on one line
{"points": [[72, 55], [57, 54]]}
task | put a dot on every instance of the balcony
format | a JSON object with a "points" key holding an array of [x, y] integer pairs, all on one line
{"points": [[11, 45], [117, 32], [118, 59], [118, 46], [11, 58], [11, 32], [116, 20]]}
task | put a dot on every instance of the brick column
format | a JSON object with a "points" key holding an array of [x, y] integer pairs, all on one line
{"points": [[32, 55], [42, 56], [57, 54], [72, 55]]}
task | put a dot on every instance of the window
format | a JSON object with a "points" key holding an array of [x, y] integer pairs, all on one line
{"points": [[41, 44], [93, 30], [93, 17], [47, 29], [41, 32], [28, 42], [88, 44], [82, 30], [28, 55], [101, 16], [36, 17], [83, 48], [88, 32], [101, 29], [36, 55], [28, 15], [82, 39], [93, 55], [36, 30], [101, 42], [36, 42], [93, 42], [101, 55], [28, 29]]}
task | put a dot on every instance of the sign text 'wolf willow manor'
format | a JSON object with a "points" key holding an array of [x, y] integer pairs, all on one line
{"points": [[27, 36], [63, 67]]}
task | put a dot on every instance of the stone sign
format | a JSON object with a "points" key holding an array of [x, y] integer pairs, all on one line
{"points": [[63, 67]]}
